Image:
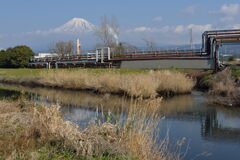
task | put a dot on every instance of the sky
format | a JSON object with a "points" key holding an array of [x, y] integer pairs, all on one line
{"points": [[165, 22]]}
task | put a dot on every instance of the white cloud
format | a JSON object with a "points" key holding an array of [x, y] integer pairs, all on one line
{"points": [[230, 9], [227, 19], [179, 29], [227, 13], [158, 19], [200, 28], [236, 26], [190, 10], [143, 29], [165, 29]]}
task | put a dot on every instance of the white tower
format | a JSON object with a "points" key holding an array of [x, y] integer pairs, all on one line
{"points": [[78, 47]]}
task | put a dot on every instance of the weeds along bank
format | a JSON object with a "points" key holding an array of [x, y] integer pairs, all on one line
{"points": [[37, 132], [225, 89], [140, 84]]}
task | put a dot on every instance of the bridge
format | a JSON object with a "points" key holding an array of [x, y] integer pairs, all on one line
{"points": [[205, 58]]}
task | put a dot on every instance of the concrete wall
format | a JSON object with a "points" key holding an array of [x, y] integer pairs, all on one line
{"points": [[176, 63]]}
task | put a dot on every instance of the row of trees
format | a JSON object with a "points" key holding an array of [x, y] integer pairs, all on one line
{"points": [[16, 57]]}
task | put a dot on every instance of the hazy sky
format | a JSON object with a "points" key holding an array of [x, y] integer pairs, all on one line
{"points": [[164, 21]]}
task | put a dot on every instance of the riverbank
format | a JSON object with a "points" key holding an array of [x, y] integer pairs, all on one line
{"points": [[139, 83], [225, 89], [38, 132]]}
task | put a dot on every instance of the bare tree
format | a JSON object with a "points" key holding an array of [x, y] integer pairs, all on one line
{"points": [[69, 47], [51, 47], [124, 47], [108, 31], [59, 48], [64, 48], [150, 43]]}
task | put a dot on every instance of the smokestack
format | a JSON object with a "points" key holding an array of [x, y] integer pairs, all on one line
{"points": [[191, 38], [78, 47]]}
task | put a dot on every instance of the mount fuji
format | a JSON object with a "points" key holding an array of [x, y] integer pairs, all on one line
{"points": [[74, 26], [71, 30]]}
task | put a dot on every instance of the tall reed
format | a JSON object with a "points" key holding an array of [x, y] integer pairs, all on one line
{"points": [[145, 85]]}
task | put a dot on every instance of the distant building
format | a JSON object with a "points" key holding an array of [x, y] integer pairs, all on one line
{"points": [[44, 55]]}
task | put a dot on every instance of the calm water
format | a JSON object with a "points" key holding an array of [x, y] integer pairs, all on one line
{"points": [[210, 132]]}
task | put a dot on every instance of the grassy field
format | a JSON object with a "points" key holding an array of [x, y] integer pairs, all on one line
{"points": [[25, 72], [20, 72], [133, 83], [38, 132], [235, 72]]}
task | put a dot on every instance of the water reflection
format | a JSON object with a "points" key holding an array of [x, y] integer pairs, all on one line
{"points": [[222, 124], [188, 116]]}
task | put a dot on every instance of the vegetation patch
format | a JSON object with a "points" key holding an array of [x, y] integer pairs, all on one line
{"points": [[132, 83], [16, 57], [224, 90], [37, 132]]}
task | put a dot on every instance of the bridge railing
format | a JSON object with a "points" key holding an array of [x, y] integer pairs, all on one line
{"points": [[63, 58], [128, 54], [158, 53]]}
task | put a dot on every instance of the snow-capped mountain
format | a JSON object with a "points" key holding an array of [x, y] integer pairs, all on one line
{"points": [[75, 25]]}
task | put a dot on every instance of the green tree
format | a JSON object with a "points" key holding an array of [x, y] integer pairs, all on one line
{"points": [[16, 57]]}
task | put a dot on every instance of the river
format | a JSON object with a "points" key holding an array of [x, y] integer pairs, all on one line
{"points": [[209, 132]]}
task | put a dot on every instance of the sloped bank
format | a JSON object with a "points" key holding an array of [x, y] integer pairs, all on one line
{"points": [[224, 89], [146, 85]]}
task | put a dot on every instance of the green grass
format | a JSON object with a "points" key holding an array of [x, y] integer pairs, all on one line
{"points": [[26, 72], [30, 73], [54, 152], [36, 72], [20, 72], [50, 152], [235, 72]]}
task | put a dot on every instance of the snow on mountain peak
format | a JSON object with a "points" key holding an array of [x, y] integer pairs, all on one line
{"points": [[75, 25]]}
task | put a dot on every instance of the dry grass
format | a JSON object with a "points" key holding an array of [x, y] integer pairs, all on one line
{"points": [[138, 132], [16, 133], [174, 82], [135, 85], [140, 84], [224, 90], [24, 129]]}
